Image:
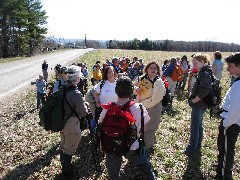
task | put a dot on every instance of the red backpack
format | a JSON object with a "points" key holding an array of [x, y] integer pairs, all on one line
{"points": [[117, 128]]}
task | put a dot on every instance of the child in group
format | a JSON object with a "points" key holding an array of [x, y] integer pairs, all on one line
{"points": [[185, 68], [41, 90], [97, 74], [165, 65], [61, 79], [124, 90], [134, 71], [229, 127]]}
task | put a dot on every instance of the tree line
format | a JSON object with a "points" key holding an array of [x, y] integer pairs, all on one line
{"points": [[21, 27], [22, 34], [170, 45]]}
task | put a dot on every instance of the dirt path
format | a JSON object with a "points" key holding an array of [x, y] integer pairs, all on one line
{"points": [[17, 76]]}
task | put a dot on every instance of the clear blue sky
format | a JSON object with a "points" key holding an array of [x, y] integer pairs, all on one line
{"points": [[187, 20]]}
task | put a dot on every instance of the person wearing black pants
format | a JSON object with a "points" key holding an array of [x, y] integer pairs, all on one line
{"points": [[226, 147], [229, 127]]}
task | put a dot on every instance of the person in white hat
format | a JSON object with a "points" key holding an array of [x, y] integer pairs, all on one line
{"points": [[71, 133]]}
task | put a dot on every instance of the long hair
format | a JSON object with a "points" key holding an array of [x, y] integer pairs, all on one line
{"points": [[149, 64], [105, 73]]}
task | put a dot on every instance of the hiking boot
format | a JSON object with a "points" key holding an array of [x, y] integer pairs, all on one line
{"points": [[67, 168], [171, 100]]}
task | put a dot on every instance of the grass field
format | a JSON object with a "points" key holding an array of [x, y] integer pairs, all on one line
{"points": [[29, 152]]}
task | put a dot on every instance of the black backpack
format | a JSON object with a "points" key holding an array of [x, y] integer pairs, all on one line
{"points": [[52, 113], [214, 97]]}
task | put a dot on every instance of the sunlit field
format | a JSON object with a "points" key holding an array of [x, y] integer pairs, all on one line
{"points": [[30, 152]]}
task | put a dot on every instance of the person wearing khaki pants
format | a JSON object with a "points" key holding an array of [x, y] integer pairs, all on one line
{"points": [[71, 133]]}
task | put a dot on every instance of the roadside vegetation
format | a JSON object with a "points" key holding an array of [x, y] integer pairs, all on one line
{"points": [[30, 152], [5, 60]]}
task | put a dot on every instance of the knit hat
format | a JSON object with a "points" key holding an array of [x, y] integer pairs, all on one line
{"points": [[73, 72]]}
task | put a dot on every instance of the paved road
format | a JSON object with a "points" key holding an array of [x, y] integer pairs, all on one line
{"points": [[15, 75]]}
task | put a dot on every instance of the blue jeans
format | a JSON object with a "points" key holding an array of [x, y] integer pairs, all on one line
{"points": [[40, 98], [196, 130]]}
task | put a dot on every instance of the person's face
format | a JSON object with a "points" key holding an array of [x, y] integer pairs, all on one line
{"points": [[233, 69], [97, 67], [110, 73], [116, 62], [64, 76], [197, 64], [152, 70], [78, 79]]}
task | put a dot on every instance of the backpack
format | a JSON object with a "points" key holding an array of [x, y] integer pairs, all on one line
{"points": [[214, 96], [116, 129], [177, 74], [166, 97], [51, 113]]}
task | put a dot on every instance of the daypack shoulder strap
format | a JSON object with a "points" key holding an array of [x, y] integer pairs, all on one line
{"points": [[142, 120], [59, 83], [64, 94], [102, 84], [128, 105], [113, 104], [205, 70]]}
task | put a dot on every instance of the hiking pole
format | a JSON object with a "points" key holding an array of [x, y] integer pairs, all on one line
{"points": [[93, 143]]}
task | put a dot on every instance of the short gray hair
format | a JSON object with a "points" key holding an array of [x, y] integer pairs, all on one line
{"points": [[73, 72]]}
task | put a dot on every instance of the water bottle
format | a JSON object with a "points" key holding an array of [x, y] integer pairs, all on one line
{"points": [[93, 121]]}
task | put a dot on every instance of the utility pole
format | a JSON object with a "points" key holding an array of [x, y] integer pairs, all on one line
{"points": [[85, 40]]}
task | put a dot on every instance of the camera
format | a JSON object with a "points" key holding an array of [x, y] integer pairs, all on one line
{"points": [[57, 68], [84, 120]]}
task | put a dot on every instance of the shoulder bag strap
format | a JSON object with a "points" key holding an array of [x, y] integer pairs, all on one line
{"points": [[73, 110], [142, 122]]}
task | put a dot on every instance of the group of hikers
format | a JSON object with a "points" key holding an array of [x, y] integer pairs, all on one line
{"points": [[126, 101]]}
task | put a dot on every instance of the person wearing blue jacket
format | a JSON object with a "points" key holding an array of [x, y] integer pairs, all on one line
{"points": [[41, 90], [168, 74]]}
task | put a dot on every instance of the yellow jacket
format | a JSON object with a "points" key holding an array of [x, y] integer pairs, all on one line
{"points": [[97, 74]]}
